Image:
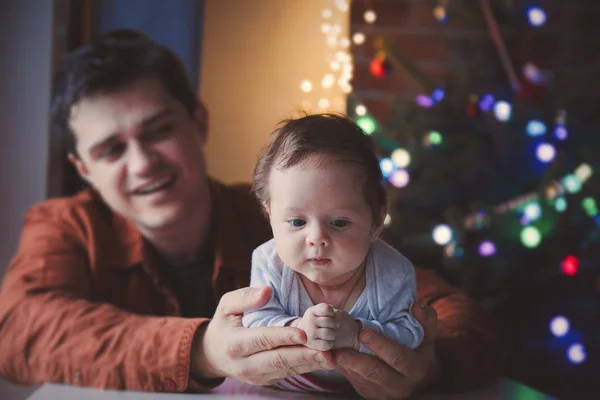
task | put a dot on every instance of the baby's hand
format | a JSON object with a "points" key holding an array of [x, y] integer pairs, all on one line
{"points": [[347, 333], [320, 326]]}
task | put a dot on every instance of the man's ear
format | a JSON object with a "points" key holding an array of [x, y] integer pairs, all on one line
{"points": [[79, 166], [201, 117]]}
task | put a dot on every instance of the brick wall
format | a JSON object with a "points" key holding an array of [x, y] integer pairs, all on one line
{"points": [[408, 25], [568, 45]]}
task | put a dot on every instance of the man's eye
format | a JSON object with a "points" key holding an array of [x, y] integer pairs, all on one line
{"points": [[161, 131], [339, 223], [297, 222], [112, 151]]}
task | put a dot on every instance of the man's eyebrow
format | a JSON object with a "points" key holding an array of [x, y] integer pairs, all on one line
{"points": [[156, 116], [145, 123], [104, 142]]}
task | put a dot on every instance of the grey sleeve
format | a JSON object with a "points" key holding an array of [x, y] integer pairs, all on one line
{"points": [[264, 273], [394, 294]]}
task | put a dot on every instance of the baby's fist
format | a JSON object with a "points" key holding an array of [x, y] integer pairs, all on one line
{"points": [[320, 326]]}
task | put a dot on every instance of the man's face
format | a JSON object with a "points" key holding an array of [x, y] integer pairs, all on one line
{"points": [[142, 152]]}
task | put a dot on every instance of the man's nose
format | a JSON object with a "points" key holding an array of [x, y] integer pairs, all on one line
{"points": [[142, 159]]}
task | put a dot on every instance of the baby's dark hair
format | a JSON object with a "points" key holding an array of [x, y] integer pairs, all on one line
{"points": [[323, 138]]}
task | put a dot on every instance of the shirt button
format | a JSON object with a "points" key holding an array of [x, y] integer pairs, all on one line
{"points": [[169, 384]]}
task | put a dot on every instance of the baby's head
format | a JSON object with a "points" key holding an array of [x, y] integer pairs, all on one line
{"points": [[320, 183]]}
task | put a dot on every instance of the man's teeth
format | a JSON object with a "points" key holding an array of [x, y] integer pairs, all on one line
{"points": [[154, 186]]}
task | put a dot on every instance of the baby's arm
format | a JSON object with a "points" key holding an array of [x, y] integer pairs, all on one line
{"points": [[395, 293], [266, 273]]}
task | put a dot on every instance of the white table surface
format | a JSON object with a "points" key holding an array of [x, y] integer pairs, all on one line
{"points": [[504, 389]]}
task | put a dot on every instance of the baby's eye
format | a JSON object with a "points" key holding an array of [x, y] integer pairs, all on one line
{"points": [[296, 222], [339, 223]]}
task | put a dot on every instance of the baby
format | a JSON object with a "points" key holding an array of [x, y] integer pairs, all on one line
{"points": [[320, 184]]}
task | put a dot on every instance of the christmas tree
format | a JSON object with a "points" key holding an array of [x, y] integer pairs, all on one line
{"points": [[493, 171]]}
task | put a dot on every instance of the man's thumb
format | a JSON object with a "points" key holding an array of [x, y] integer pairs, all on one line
{"points": [[241, 300]]}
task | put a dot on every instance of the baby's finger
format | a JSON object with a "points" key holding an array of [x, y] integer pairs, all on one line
{"points": [[324, 334], [326, 322], [323, 310]]}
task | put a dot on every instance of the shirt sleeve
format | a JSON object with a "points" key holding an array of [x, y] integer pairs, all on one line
{"points": [[467, 340], [51, 330], [266, 272], [393, 293]]}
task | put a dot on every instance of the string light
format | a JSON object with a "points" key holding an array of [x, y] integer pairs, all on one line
{"points": [[370, 16], [486, 102], [306, 86], [583, 172], [559, 326], [531, 237], [535, 128], [576, 353], [360, 110], [560, 204], [532, 211], [502, 110], [367, 124], [387, 167], [433, 138], [358, 38], [536, 16], [442, 234], [589, 206], [572, 183], [323, 103], [326, 13], [399, 178], [401, 158], [440, 13], [327, 81], [487, 249], [424, 101], [570, 265], [561, 132], [545, 152], [387, 221]]}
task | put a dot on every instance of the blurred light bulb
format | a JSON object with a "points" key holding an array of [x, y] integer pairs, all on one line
{"points": [[545, 152], [559, 326], [360, 110], [442, 234], [502, 110], [326, 13], [576, 353], [537, 16], [306, 86], [358, 38], [323, 103], [401, 158], [370, 16], [399, 178]]}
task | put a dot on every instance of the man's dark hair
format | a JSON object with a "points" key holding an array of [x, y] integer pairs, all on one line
{"points": [[111, 63]]}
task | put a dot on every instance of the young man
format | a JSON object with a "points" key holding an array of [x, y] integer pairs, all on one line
{"points": [[114, 287]]}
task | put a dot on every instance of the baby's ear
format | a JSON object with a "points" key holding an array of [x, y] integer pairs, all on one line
{"points": [[266, 208], [378, 225]]}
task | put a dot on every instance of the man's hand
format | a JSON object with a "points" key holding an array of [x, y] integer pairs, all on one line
{"points": [[320, 326], [258, 356], [398, 371]]}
